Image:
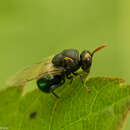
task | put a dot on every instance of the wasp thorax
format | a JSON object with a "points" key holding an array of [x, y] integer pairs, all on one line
{"points": [[86, 60]]}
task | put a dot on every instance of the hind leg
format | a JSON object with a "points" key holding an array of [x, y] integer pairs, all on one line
{"points": [[53, 87], [52, 91]]}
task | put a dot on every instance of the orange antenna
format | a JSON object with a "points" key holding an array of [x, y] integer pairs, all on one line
{"points": [[99, 48]]}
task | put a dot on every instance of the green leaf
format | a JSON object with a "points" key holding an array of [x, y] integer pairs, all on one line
{"points": [[105, 108]]}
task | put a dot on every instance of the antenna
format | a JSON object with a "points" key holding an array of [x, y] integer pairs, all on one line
{"points": [[97, 49]]}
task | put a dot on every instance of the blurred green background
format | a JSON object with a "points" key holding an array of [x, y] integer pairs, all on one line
{"points": [[31, 30]]}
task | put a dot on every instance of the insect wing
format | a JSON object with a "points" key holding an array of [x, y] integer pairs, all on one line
{"points": [[36, 71]]}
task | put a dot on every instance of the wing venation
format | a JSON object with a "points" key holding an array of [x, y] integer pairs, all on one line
{"points": [[33, 72]]}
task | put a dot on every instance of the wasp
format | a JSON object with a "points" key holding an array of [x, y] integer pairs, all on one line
{"points": [[52, 73]]}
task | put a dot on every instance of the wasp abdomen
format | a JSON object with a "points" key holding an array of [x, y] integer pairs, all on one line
{"points": [[47, 83]]}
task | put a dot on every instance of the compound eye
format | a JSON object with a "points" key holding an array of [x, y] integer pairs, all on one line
{"points": [[86, 60], [87, 57]]}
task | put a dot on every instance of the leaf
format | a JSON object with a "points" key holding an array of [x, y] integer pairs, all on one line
{"points": [[105, 108]]}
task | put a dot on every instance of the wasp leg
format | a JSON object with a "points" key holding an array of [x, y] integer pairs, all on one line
{"points": [[71, 80], [56, 104], [55, 94], [53, 87], [52, 90], [84, 84], [81, 78]]}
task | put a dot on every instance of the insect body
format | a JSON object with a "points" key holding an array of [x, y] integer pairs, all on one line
{"points": [[52, 73], [49, 84]]}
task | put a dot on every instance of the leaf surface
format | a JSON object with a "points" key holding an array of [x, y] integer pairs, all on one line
{"points": [[105, 108]]}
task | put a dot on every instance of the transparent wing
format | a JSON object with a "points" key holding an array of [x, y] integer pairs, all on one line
{"points": [[36, 71]]}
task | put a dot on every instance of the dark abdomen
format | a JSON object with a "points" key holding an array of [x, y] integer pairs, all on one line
{"points": [[45, 84]]}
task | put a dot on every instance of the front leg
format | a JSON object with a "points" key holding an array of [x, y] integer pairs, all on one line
{"points": [[83, 82], [70, 77]]}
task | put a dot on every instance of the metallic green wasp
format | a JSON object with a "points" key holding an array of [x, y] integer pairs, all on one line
{"points": [[51, 74]]}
